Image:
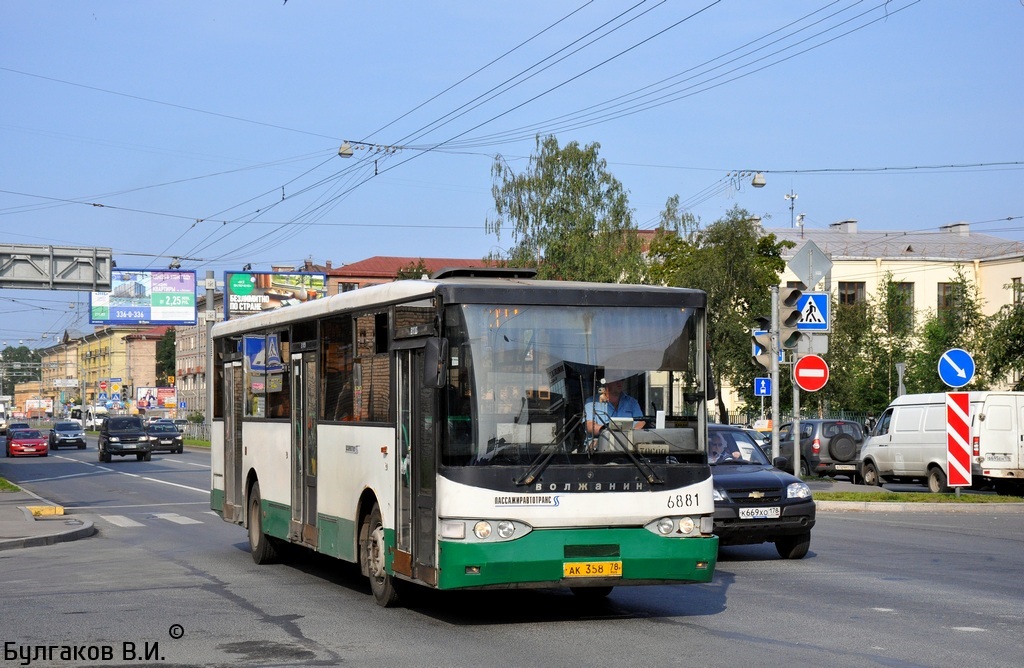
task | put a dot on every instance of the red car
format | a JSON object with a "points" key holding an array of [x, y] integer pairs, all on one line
{"points": [[27, 442]]}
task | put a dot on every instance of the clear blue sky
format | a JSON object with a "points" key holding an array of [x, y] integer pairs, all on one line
{"points": [[210, 130]]}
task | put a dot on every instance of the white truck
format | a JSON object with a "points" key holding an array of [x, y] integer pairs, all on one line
{"points": [[909, 442]]}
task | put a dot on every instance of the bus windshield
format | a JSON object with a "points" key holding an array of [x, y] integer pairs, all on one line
{"points": [[524, 381]]}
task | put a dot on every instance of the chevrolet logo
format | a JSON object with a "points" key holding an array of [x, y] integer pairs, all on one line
{"points": [[756, 495]]}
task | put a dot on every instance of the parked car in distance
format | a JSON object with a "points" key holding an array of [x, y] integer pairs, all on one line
{"points": [[13, 427], [755, 502], [165, 436], [123, 435], [827, 447], [67, 433], [27, 442], [181, 423]]}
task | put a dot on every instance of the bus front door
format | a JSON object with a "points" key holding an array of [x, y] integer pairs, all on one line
{"points": [[417, 469], [304, 449], [234, 395]]}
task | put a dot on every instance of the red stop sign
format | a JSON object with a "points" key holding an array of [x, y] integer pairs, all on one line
{"points": [[810, 373]]}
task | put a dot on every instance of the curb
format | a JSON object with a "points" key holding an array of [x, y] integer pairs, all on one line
{"points": [[84, 530], [896, 507], [80, 528]]}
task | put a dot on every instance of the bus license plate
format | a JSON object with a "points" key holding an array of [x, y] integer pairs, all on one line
{"points": [[592, 569], [760, 513]]}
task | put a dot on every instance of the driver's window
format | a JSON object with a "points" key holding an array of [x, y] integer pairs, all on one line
{"points": [[883, 424]]}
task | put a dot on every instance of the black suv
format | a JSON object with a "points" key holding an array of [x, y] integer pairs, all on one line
{"points": [[124, 435], [827, 447]]}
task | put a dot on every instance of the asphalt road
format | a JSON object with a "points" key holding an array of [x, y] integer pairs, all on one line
{"points": [[164, 574]]}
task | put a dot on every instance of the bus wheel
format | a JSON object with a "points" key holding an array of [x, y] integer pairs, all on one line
{"points": [[590, 593], [260, 544], [382, 585]]}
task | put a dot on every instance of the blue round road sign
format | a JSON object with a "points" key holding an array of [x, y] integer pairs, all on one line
{"points": [[956, 367]]}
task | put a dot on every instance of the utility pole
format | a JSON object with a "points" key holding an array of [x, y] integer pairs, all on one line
{"points": [[211, 316], [792, 196], [775, 371]]}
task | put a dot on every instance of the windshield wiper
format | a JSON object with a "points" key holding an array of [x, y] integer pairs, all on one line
{"points": [[544, 458], [620, 439]]}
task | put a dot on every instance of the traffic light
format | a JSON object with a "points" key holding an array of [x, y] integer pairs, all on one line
{"points": [[762, 340], [789, 316]]}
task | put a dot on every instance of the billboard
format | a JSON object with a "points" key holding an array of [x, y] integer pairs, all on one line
{"points": [[144, 297], [249, 292], [156, 397]]}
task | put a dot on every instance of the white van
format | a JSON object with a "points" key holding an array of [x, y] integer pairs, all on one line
{"points": [[909, 442]]}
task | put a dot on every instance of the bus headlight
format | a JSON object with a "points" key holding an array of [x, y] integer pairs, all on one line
{"points": [[666, 526], [686, 525], [482, 529], [490, 531]]}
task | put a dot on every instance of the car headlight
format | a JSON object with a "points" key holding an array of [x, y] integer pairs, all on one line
{"points": [[798, 490], [114, 439], [720, 495]]}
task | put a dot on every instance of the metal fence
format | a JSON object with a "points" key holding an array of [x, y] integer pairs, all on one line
{"points": [[787, 416]]}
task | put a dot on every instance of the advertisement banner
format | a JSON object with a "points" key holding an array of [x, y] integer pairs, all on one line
{"points": [[252, 292], [156, 397], [143, 297]]}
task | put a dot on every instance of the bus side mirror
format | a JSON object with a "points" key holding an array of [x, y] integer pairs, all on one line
{"points": [[434, 355]]}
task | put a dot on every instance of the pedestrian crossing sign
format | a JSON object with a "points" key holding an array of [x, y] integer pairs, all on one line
{"points": [[814, 312]]}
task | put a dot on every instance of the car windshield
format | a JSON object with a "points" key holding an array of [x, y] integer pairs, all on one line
{"points": [[125, 423], [26, 434], [162, 426], [67, 426], [730, 441]]}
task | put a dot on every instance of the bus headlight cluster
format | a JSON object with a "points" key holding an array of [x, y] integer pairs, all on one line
{"points": [[675, 526], [483, 530]]}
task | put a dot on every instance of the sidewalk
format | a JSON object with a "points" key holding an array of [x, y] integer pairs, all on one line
{"points": [[19, 528]]}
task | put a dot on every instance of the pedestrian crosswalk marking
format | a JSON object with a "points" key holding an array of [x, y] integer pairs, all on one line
{"points": [[127, 522], [121, 521], [176, 518]]}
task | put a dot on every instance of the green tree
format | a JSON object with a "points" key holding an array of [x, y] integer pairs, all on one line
{"points": [[567, 216], [412, 271], [959, 324], [1004, 348], [851, 326], [165, 353], [736, 264], [18, 365]]}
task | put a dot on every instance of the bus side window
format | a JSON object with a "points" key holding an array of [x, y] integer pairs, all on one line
{"points": [[337, 397]]}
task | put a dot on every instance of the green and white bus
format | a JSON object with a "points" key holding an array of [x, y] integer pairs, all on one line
{"points": [[432, 431]]}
